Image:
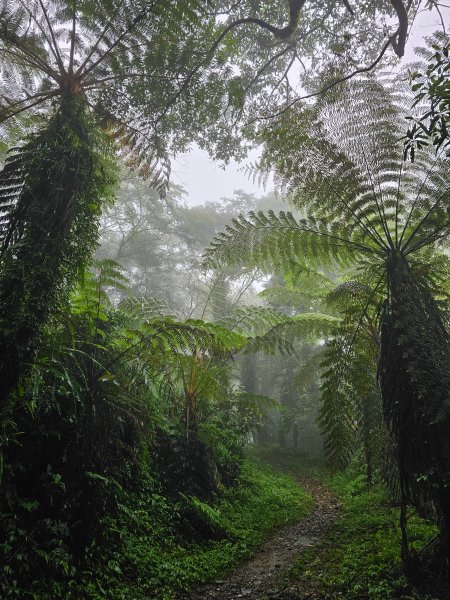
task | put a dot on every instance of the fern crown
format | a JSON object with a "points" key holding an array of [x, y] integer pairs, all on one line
{"points": [[355, 199]]}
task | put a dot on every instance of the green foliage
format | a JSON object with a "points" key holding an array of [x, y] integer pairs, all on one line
{"points": [[347, 177], [144, 552], [432, 89], [177, 82], [261, 501], [122, 427], [273, 241], [203, 521], [361, 557], [273, 46], [351, 404], [270, 330]]}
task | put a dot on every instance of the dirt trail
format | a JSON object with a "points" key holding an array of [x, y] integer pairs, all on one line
{"points": [[261, 576]]}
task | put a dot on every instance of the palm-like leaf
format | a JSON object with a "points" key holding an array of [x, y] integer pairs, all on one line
{"points": [[364, 199], [386, 216], [269, 330], [105, 52]]}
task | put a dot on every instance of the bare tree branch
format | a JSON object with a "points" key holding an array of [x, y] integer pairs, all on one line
{"points": [[398, 40], [326, 88]]}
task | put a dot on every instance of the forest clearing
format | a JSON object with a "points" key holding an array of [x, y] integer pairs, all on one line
{"points": [[213, 394]]}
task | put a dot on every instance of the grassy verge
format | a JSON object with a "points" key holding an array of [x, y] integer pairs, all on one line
{"points": [[154, 560], [361, 557]]}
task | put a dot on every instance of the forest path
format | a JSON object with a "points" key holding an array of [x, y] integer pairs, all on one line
{"points": [[261, 577]]}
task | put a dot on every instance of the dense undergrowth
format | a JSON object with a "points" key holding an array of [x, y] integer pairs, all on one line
{"points": [[124, 472], [361, 557], [163, 557], [156, 546]]}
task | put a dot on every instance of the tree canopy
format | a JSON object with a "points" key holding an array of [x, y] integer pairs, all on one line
{"points": [[137, 371]]}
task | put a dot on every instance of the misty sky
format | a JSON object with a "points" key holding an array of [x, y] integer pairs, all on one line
{"points": [[205, 181]]}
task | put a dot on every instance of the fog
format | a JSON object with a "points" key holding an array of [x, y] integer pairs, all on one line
{"points": [[206, 181]]}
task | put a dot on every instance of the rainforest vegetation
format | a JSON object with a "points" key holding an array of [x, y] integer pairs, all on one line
{"points": [[179, 381]]}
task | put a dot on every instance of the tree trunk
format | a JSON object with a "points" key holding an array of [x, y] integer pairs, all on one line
{"points": [[52, 232], [414, 373]]}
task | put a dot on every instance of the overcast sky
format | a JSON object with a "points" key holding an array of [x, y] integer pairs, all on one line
{"points": [[205, 181]]}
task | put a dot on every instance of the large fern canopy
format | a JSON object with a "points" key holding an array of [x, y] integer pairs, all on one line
{"points": [[360, 204], [355, 199], [130, 61]]}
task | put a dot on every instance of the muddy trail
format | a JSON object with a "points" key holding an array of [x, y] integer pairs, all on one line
{"points": [[262, 576]]}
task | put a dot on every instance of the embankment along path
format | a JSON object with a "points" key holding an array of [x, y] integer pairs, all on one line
{"points": [[261, 577]]}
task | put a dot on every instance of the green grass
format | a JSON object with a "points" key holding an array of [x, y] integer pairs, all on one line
{"points": [[361, 556], [153, 560]]}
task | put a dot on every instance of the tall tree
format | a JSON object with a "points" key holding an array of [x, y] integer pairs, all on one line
{"points": [[78, 68], [123, 66], [388, 220]]}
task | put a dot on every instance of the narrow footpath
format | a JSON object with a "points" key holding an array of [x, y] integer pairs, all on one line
{"points": [[262, 576]]}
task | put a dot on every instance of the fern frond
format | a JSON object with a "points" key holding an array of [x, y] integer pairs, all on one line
{"points": [[310, 371], [283, 335], [354, 175], [144, 309], [348, 379], [253, 320], [275, 240]]}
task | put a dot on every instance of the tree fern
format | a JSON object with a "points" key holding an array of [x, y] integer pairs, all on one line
{"points": [[78, 74], [73, 70], [103, 53], [381, 213], [270, 330], [350, 397], [50, 202]]}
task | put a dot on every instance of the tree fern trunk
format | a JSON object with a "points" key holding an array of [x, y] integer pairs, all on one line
{"points": [[52, 232], [415, 383]]}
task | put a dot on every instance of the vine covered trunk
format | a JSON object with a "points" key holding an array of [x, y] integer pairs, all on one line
{"points": [[57, 181]]}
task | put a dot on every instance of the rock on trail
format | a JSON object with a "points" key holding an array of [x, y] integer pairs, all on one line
{"points": [[261, 576]]}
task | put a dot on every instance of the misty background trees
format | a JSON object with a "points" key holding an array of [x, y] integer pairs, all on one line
{"points": [[146, 344]]}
